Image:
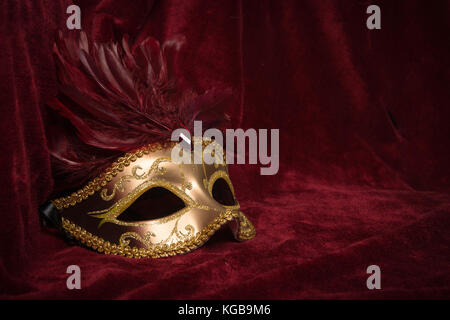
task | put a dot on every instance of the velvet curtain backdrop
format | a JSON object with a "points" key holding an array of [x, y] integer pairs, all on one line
{"points": [[364, 159]]}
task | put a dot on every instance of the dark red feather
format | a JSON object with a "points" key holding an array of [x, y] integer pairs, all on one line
{"points": [[118, 99]]}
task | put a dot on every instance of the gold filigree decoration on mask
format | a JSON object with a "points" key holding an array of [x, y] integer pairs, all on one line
{"points": [[154, 168], [218, 159], [158, 251], [174, 236], [146, 239], [184, 184]]}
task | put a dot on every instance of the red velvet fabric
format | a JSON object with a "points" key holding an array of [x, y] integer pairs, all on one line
{"points": [[364, 169]]}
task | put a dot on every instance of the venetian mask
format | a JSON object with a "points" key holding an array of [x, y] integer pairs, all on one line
{"points": [[148, 205]]}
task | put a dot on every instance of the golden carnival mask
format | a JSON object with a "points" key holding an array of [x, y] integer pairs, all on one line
{"points": [[115, 98], [146, 205]]}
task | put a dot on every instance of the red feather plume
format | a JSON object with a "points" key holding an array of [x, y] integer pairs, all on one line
{"points": [[117, 99]]}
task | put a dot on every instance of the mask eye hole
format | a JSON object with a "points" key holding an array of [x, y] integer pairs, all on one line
{"points": [[155, 203], [221, 192]]}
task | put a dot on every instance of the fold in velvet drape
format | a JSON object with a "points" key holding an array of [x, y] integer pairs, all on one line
{"points": [[364, 159]]}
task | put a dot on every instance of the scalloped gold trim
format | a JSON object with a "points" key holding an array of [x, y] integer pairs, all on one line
{"points": [[157, 251]]}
